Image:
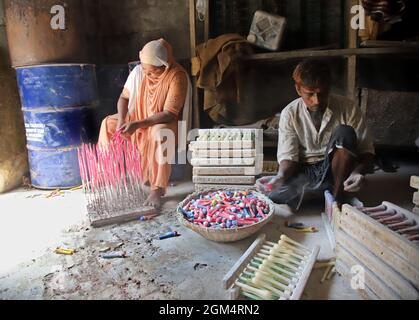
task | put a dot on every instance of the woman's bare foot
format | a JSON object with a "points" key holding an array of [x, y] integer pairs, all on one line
{"points": [[154, 199]]}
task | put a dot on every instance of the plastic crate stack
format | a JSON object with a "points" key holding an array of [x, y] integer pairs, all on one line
{"points": [[227, 158]]}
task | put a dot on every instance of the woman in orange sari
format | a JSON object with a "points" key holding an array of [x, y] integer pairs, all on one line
{"points": [[154, 96]]}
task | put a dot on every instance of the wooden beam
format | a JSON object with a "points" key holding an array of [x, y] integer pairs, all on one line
{"points": [[192, 31], [389, 44], [207, 22], [192, 26], [352, 37], [301, 54]]}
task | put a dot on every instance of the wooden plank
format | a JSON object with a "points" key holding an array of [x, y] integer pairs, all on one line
{"points": [[224, 179], [329, 232], [225, 171], [345, 271], [259, 141], [392, 240], [204, 187], [229, 153], [414, 182], [302, 282], [192, 35], [374, 283], [364, 52], [230, 129], [234, 293], [393, 279], [244, 260], [352, 42], [351, 77], [389, 44], [404, 267], [222, 145], [207, 21], [209, 162], [98, 221], [416, 198]]}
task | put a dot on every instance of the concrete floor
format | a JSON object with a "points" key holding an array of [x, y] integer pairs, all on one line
{"points": [[187, 267]]}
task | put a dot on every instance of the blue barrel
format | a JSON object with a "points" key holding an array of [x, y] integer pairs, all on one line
{"points": [[57, 103]]}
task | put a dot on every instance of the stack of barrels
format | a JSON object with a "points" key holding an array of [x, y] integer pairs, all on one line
{"points": [[47, 44]]}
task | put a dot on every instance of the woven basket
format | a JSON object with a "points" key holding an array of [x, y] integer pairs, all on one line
{"points": [[225, 235]]}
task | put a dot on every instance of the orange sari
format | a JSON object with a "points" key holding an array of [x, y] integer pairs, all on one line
{"points": [[166, 93]]}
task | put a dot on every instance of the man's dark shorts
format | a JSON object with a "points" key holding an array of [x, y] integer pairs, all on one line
{"points": [[315, 177]]}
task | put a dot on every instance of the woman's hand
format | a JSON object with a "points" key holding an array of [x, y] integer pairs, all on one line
{"points": [[121, 123], [130, 128]]}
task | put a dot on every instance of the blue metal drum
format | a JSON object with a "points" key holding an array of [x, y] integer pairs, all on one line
{"points": [[57, 101]]}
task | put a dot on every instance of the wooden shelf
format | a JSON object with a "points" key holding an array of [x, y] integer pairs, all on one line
{"points": [[361, 52], [389, 44]]}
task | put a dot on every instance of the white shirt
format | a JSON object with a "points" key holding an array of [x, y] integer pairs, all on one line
{"points": [[299, 140]]}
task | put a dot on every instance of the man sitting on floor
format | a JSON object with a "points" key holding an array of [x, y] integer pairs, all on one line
{"points": [[323, 141]]}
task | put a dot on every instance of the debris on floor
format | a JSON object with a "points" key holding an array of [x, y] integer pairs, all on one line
{"points": [[63, 251], [55, 193], [199, 266], [115, 255], [300, 227], [169, 235]]}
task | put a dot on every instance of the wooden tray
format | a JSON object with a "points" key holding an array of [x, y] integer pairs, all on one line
{"points": [[241, 264], [381, 270], [395, 242]]}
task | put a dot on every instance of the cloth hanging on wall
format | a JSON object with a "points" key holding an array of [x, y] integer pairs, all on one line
{"points": [[218, 74]]}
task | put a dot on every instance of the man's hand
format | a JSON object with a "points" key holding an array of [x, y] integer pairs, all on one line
{"points": [[268, 184], [354, 182], [276, 182]]}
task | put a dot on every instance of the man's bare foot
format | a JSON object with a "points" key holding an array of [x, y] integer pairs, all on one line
{"points": [[154, 199]]}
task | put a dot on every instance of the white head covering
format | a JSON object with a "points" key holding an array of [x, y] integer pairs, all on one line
{"points": [[155, 54]]}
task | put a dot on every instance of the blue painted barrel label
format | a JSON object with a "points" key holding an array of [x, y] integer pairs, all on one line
{"points": [[35, 132]]}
